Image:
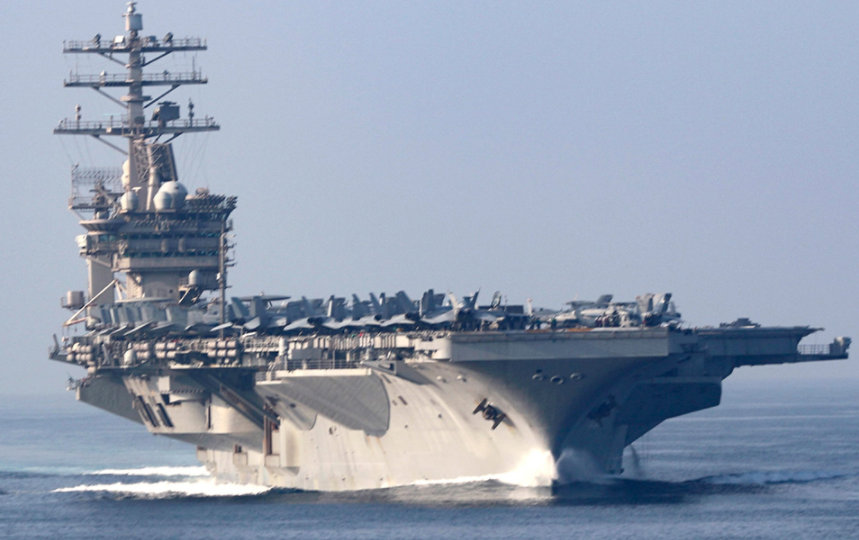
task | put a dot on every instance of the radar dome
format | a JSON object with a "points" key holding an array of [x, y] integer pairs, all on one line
{"points": [[177, 191], [162, 200], [171, 196], [129, 201]]}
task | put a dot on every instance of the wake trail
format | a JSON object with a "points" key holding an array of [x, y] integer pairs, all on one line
{"points": [[774, 477], [163, 482], [170, 489]]}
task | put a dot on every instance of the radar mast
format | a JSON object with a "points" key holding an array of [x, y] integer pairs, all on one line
{"points": [[141, 224]]}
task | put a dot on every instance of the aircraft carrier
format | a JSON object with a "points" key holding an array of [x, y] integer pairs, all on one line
{"points": [[346, 393]]}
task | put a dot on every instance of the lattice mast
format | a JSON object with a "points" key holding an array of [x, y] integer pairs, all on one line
{"points": [[140, 221]]}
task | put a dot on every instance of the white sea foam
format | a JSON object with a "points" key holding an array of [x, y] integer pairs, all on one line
{"points": [[168, 489], [454, 481], [773, 477], [193, 471], [537, 469]]}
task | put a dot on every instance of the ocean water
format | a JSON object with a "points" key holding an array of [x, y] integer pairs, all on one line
{"points": [[775, 460]]}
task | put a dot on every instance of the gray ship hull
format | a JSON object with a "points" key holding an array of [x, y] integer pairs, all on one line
{"points": [[540, 407]]}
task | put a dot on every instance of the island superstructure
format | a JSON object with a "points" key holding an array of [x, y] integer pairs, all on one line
{"points": [[344, 393]]}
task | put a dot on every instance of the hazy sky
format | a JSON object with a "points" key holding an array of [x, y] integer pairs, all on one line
{"points": [[550, 150]]}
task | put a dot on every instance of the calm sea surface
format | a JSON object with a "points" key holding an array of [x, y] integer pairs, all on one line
{"points": [[775, 460]]}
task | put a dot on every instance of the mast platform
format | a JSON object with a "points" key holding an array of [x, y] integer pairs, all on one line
{"points": [[120, 127], [121, 45], [123, 79]]}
